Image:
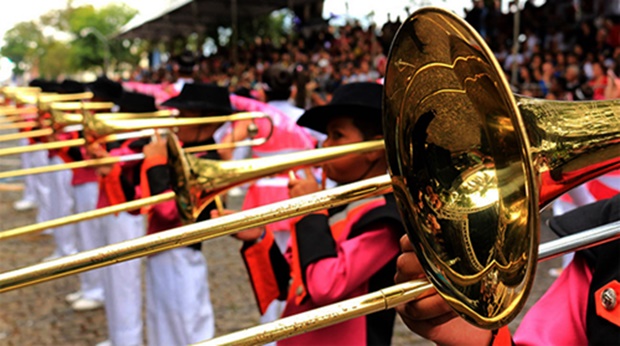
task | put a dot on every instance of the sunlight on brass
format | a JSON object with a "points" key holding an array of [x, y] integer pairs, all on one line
{"points": [[29, 134], [100, 126], [199, 181], [18, 125], [472, 164], [192, 233], [41, 226], [18, 111]]}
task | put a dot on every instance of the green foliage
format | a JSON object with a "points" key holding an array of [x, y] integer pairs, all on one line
{"points": [[27, 46], [22, 45]]}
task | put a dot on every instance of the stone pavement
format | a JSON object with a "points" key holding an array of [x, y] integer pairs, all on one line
{"points": [[38, 315]]}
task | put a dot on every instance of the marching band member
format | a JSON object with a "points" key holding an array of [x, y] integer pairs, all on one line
{"points": [[59, 183], [338, 253], [179, 310], [286, 137], [84, 190], [122, 281], [36, 193]]}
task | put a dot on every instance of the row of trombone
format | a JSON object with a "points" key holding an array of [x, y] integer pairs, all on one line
{"points": [[519, 157]]}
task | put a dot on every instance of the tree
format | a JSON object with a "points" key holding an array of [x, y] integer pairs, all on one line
{"points": [[29, 48], [22, 44]]}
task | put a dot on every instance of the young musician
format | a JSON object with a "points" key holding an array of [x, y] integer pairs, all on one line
{"points": [[338, 253], [122, 281], [179, 310]]}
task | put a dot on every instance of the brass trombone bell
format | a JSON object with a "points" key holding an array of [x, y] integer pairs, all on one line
{"points": [[472, 163]]}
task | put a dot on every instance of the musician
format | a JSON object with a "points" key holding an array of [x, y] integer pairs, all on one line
{"points": [[122, 281], [61, 197], [286, 137], [338, 253], [83, 194], [179, 310], [580, 316], [36, 186], [33, 183]]}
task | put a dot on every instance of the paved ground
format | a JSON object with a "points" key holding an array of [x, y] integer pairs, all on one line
{"points": [[38, 315]]}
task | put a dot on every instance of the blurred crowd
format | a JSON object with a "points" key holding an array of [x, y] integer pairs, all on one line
{"points": [[564, 52]]}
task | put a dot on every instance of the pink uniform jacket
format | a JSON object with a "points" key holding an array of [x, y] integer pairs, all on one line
{"points": [[331, 258]]}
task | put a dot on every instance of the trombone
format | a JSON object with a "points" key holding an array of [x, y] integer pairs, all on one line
{"points": [[71, 121], [462, 151], [43, 102], [200, 180], [59, 119], [98, 128]]}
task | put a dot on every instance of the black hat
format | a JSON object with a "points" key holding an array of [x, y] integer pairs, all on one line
{"points": [[46, 86], [186, 62], [133, 102], [199, 96], [357, 99], [105, 89], [70, 86]]}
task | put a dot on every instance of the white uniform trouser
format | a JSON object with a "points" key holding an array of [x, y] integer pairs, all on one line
{"points": [[40, 184], [123, 284], [89, 236], [179, 310], [29, 160], [61, 202]]}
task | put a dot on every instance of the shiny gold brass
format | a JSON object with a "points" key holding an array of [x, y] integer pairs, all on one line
{"points": [[390, 297], [44, 100], [192, 233], [18, 125], [62, 119], [69, 165], [29, 134], [100, 126], [199, 181], [133, 205], [79, 106], [5, 111], [326, 316], [472, 164]]}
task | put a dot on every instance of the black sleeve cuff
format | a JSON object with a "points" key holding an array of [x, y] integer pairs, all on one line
{"points": [[314, 240], [128, 189], [159, 179]]}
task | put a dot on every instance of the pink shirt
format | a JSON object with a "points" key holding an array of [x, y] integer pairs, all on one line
{"points": [[559, 317]]}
